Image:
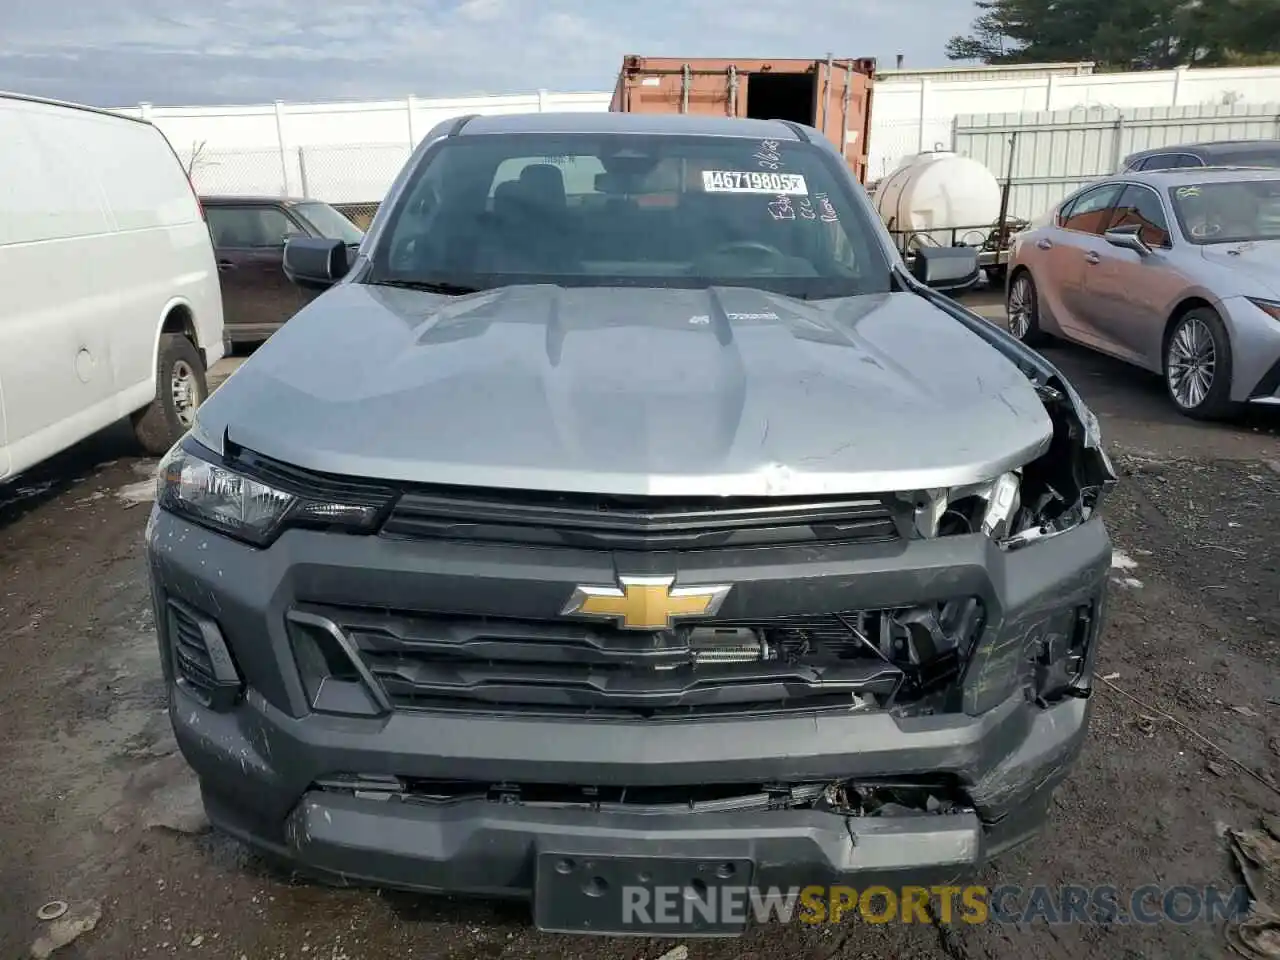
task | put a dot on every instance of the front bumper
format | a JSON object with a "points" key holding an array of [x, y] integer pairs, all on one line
{"points": [[1255, 352], [259, 762]]}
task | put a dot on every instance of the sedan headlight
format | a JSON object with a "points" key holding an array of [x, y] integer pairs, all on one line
{"points": [[214, 495], [1269, 307]]}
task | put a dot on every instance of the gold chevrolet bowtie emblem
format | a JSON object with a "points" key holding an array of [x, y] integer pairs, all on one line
{"points": [[645, 603]]}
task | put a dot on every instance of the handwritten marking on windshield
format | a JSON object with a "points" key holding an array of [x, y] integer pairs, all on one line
{"points": [[768, 155], [781, 209], [806, 209], [829, 214]]}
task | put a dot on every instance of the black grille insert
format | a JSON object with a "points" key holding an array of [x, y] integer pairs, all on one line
{"points": [[829, 661], [616, 522]]}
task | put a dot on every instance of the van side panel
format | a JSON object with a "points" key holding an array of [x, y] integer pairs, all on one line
{"points": [[100, 236], [164, 255], [54, 342]]}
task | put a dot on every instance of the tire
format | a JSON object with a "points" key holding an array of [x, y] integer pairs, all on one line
{"points": [[1196, 337], [160, 424], [1022, 289]]}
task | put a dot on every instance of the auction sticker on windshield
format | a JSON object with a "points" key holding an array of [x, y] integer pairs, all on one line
{"points": [[753, 181]]}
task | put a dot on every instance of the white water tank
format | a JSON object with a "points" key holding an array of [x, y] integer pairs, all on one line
{"points": [[939, 199]]}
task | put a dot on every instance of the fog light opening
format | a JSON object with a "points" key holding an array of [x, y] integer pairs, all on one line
{"points": [[1058, 657], [202, 661]]}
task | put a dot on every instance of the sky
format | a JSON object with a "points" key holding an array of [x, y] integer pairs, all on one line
{"points": [[177, 52]]}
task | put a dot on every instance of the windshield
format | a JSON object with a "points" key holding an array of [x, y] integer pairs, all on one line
{"points": [[329, 222], [635, 210], [1229, 211]]}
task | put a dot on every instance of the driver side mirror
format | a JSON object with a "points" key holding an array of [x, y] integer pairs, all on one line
{"points": [[1128, 237], [946, 268], [315, 263]]}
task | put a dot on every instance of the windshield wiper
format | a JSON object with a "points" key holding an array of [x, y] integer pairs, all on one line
{"points": [[428, 286]]}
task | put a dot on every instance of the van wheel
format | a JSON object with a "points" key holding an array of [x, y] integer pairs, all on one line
{"points": [[180, 389]]}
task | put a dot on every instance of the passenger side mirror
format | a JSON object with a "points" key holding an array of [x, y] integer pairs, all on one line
{"points": [[946, 268], [315, 263], [1128, 237]]}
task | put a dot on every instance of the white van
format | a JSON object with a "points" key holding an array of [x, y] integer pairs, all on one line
{"points": [[109, 299]]}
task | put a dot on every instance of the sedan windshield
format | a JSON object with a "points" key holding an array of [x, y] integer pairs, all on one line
{"points": [[1229, 211], [634, 210], [329, 222]]}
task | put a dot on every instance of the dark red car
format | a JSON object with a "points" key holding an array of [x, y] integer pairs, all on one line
{"points": [[249, 234]]}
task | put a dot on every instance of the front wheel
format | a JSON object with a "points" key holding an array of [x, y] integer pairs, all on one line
{"points": [[180, 389], [1023, 309], [1197, 366]]}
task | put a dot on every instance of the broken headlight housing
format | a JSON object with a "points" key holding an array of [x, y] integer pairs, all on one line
{"points": [[1055, 493], [197, 484]]}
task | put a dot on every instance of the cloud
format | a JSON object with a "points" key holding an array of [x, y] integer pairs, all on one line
{"points": [[224, 51]]}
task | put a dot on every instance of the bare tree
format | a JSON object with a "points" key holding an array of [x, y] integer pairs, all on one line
{"points": [[196, 159]]}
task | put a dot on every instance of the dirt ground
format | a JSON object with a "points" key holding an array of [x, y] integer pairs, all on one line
{"points": [[96, 805]]}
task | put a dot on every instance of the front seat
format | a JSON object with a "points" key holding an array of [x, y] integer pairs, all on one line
{"points": [[534, 218]]}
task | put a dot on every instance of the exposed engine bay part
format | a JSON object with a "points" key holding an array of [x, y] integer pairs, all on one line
{"points": [[891, 797]]}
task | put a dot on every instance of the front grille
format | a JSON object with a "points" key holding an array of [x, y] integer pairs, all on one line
{"points": [[617, 522], [563, 668]]}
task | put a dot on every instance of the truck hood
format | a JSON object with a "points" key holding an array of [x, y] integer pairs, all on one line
{"points": [[632, 391]]}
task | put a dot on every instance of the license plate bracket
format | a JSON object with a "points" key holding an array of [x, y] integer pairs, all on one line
{"points": [[643, 896]]}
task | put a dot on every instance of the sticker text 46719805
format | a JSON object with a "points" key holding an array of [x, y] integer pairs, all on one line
{"points": [[753, 181]]}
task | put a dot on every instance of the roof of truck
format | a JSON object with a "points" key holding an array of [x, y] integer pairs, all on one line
{"points": [[645, 123]]}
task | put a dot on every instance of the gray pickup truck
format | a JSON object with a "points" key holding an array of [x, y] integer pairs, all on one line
{"points": [[625, 517]]}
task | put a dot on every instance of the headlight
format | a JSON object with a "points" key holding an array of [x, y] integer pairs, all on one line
{"points": [[1269, 307], [214, 495]]}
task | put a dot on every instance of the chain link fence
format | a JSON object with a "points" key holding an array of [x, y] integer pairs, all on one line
{"points": [[221, 172], [357, 173], [361, 214], [352, 177]]}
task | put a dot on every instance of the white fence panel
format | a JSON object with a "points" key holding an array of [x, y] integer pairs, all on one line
{"points": [[909, 115], [1046, 155]]}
